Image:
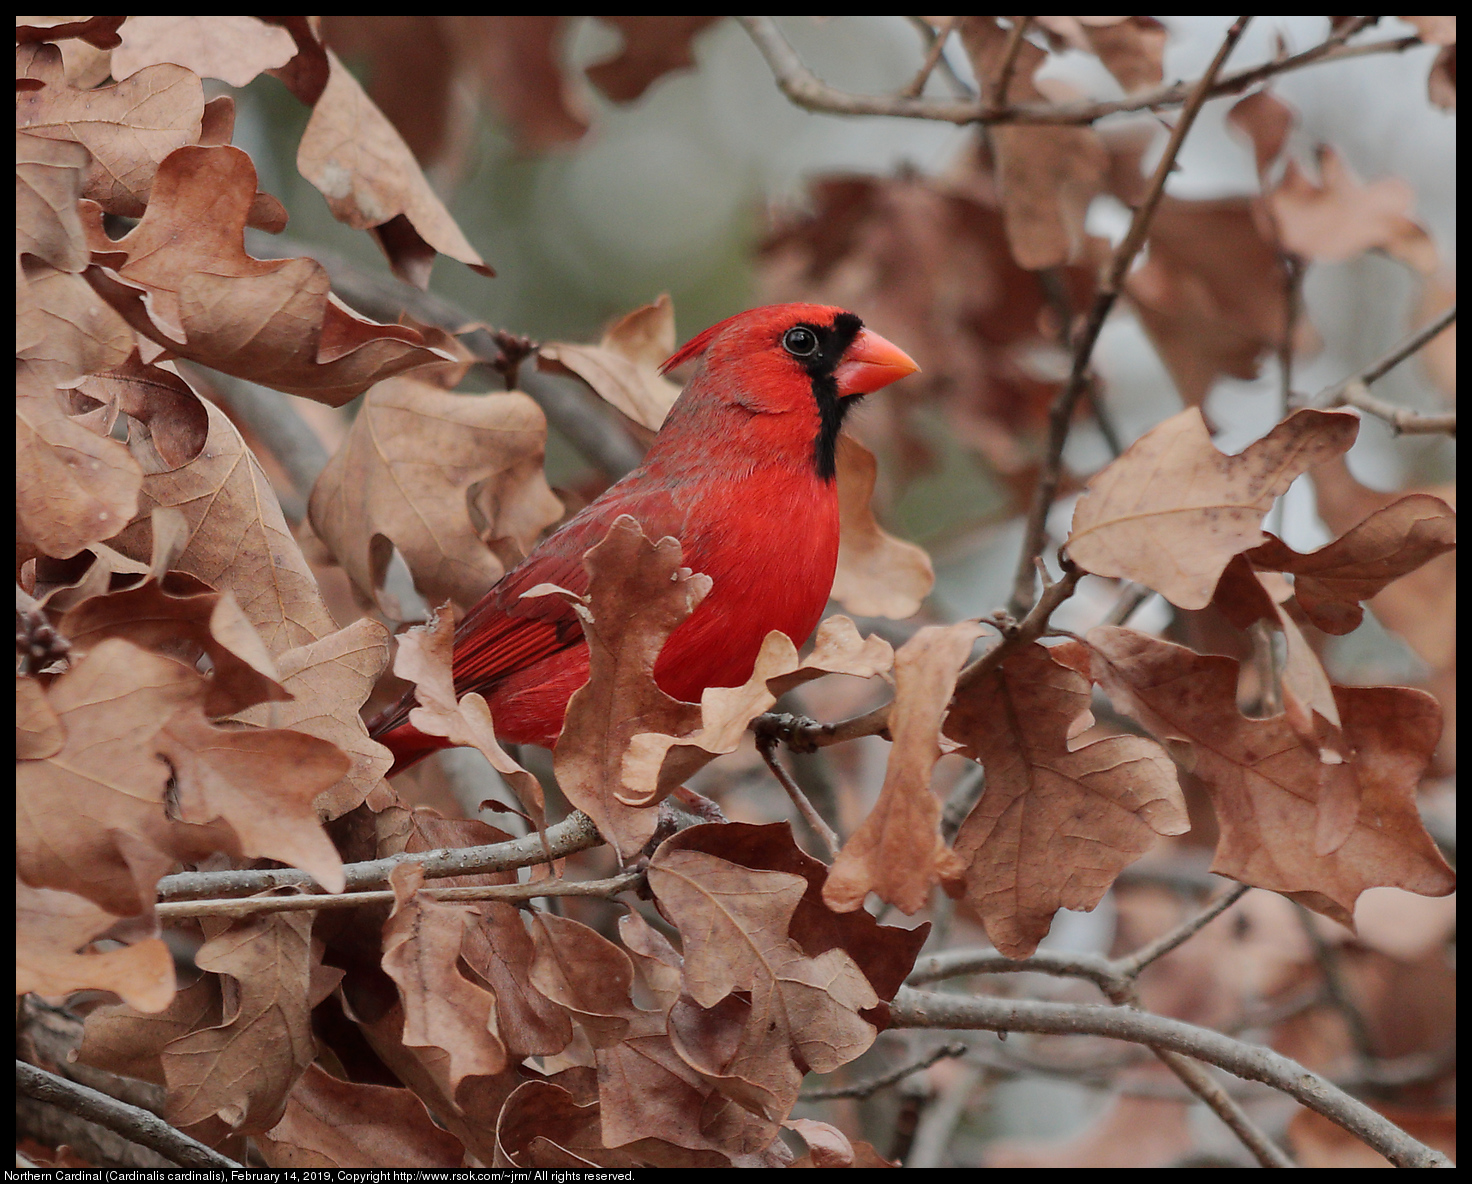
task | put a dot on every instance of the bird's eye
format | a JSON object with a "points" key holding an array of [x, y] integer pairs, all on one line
{"points": [[800, 342]]}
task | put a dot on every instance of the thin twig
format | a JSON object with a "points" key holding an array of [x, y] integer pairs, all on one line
{"points": [[958, 84], [511, 893], [1293, 271], [867, 1089], [1010, 50], [1337, 992], [1194, 1076], [1401, 419], [766, 744], [806, 90], [132, 1122], [1131, 597], [1354, 390], [1060, 416], [932, 55], [1131, 964], [927, 1009]]}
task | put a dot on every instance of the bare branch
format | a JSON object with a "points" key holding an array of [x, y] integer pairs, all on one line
{"points": [[927, 1009]]}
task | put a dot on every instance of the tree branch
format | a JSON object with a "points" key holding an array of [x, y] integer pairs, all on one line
{"points": [[926, 1009], [1116, 980], [511, 893], [1009, 60], [806, 90], [1354, 390], [932, 56], [574, 833], [133, 1123], [766, 743]]}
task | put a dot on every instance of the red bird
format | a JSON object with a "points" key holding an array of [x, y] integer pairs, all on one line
{"points": [[742, 473]]}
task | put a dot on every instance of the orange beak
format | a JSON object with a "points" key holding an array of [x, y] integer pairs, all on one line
{"points": [[871, 362]]}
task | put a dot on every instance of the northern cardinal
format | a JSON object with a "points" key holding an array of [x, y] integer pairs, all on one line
{"points": [[742, 473]]}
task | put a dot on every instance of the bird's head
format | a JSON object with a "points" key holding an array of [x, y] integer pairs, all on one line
{"points": [[811, 360]]}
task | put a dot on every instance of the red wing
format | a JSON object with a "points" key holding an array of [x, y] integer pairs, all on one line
{"points": [[504, 634]]}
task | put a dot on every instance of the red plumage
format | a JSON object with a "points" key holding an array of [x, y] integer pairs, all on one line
{"points": [[741, 473]]}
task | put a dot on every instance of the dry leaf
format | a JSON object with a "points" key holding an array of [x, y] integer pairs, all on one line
{"points": [[653, 47], [638, 595], [885, 953], [182, 278], [63, 330], [1266, 786], [1056, 823], [371, 181], [237, 536], [1046, 175], [496, 946], [443, 1009], [48, 181], [240, 1071], [90, 819], [425, 658], [73, 486], [545, 1126], [329, 681], [170, 422], [897, 852], [517, 59], [234, 49], [1172, 510], [331, 1123], [415, 458], [1341, 218], [1212, 293], [38, 729], [624, 367], [1266, 121], [51, 926], [1422, 606], [796, 1009], [1392, 542], [260, 783], [185, 627], [123, 1040], [878, 575], [129, 127]]}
